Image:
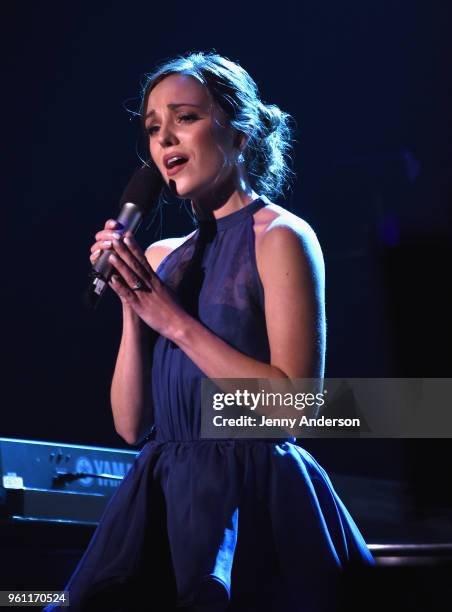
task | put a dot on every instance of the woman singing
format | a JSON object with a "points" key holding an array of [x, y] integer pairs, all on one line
{"points": [[201, 524]]}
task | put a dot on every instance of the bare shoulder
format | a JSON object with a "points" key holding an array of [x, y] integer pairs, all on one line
{"points": [[157, 251], [283, 237]]}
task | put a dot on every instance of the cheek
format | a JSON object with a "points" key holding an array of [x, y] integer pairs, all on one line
{"points": [[151, 150], [153, 155], [213, 147]]}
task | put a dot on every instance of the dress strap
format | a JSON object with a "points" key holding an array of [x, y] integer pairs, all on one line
{"points": [[238, 215]]}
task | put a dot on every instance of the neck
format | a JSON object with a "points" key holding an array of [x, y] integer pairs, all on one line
{"points": [[231, 196]]}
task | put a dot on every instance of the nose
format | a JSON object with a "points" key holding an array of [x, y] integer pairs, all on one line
{"points": [[166, 135]]}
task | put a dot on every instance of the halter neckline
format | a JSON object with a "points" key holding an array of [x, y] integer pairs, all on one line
{"points": [[237, 216]]}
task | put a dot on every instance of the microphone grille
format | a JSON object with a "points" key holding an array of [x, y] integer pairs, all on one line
{"points": [[143, 188]]}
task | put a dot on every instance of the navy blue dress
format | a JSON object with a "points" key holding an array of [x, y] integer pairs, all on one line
{"points": [[214, 525]]}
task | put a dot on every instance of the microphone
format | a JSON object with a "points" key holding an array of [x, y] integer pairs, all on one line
{"points": [[141, 192]]}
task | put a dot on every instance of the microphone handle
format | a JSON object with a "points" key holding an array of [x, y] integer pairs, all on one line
{"points": [[130, 218]]}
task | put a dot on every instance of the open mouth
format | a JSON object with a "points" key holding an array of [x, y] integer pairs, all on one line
{"points": [[174, 164]]}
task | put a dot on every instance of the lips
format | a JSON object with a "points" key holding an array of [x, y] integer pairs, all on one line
{"points": [[176, 168], [174, 162]]}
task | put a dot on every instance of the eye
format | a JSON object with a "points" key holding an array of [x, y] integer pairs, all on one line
{"points": [[185, 118], [188, 118]]}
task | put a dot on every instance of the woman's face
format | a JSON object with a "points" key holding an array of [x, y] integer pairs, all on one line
{"points": [[182, 121]]}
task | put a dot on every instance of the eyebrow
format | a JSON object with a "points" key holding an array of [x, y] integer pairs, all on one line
{"points": [[172, 106]]}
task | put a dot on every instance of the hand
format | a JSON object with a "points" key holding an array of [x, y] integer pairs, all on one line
{"points": [[112, 230], [140, 288]]}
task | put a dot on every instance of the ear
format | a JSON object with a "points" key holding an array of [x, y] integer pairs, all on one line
{"points": [[241, 140]]}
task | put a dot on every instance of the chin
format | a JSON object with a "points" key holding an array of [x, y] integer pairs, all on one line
{"points": [[179, 192], [184, 190]]}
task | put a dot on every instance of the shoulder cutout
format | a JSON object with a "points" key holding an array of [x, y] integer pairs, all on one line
{"points": [[157, 251]]}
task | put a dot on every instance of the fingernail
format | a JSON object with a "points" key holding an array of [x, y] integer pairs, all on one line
{"points": [[116, 236], [96, 253], [127, 240], [112, 258], [107, 244]]}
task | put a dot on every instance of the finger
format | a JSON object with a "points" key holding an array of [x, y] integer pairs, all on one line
{"points": [[101, 245], [95, 256], [137, 252], [112, 224], [109, 235], [133, 262], [122, 290], [129, 275]]}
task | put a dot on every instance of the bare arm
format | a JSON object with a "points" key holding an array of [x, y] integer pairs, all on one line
{"points": [[131, 387], [131, 393]]}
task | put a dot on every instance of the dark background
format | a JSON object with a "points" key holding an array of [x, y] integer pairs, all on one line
{"points": [[369, 84]]}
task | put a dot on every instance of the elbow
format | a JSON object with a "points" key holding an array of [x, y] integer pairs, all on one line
{"points": [[129, 436], [135, 434], [131, 440], [278, 372]]}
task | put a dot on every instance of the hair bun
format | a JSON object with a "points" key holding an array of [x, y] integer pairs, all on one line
{"points": [[270, 117]]}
